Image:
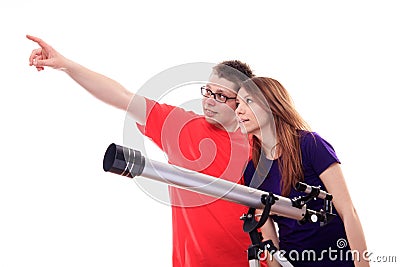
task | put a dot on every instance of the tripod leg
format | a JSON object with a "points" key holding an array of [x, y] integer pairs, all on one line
{"points": [[254, 263], [276, 254], [254, 250]]}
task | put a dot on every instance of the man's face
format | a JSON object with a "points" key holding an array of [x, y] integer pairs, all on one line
{"points": [[217, 113]]}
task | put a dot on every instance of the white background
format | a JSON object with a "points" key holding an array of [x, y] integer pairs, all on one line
{"points": [[338, 59]]}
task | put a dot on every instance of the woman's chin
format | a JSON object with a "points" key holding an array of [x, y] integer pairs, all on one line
{"points": [[243, 129]]}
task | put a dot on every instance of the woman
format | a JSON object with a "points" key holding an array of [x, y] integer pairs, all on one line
{"points": [[285, 151]]}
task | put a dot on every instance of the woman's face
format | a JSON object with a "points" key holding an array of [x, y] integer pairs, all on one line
{"points": [[252, 117]]}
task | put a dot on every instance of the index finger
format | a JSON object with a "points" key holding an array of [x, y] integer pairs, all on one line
{"points": [[37, 40]]}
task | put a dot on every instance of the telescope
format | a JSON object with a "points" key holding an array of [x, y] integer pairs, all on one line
{"points": [[131, 163]]}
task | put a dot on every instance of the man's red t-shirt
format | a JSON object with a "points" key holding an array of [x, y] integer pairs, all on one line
{"points": [[207, 231]]}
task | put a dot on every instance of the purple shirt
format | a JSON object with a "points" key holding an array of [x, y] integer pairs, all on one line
{"points": [[308, 244]]}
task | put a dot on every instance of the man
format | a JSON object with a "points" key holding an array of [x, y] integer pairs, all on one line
{"points": [[206, 232]]}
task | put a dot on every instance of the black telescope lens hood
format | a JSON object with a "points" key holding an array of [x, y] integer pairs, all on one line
{"points": [[123, 161]]}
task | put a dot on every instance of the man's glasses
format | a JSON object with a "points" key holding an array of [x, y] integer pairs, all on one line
{"points": [[217, 96]]}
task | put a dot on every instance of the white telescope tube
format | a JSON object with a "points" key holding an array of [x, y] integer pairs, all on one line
{"points": [[128, 162]]}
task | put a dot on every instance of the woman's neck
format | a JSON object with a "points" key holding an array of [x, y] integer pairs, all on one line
{"points": [[271, 150], [269, 143]]}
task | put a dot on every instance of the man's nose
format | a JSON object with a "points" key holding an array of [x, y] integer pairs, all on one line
{"points": [[210, 101]]}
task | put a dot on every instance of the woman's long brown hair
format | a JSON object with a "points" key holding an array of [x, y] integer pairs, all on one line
{"points": [[288, 122]]}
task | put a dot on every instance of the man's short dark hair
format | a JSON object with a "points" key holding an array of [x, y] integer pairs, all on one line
{"points": [[234, 71]]}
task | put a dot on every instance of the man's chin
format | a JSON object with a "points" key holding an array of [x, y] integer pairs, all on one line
{"points": [[214, 122], [211, 120]]}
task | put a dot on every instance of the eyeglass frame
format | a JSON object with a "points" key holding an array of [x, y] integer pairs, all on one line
{"points": [[214, 95]]}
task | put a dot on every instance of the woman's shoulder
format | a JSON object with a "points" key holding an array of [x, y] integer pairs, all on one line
{"points": [[310, 136], [310, 140], [316, 148], [307, 136]]}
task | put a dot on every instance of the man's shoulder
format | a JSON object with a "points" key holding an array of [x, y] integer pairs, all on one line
{"points": [[157, 108]]}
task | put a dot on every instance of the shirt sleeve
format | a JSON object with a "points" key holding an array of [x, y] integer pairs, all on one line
{"points": [[164, 124], [318, 152], [156, 115]]}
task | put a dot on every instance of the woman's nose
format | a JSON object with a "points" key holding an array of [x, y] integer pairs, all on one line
{"points": [[239, 109]]}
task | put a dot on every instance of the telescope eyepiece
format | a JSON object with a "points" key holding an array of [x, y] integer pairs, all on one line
{"points": [[315, 191], [301, 187]]}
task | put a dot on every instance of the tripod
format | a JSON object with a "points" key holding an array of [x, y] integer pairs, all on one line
{"points": [[251, 225], [257, 247]]}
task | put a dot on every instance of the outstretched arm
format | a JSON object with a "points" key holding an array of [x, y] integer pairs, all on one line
{"points": [[334, 182], [100, 86]]}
